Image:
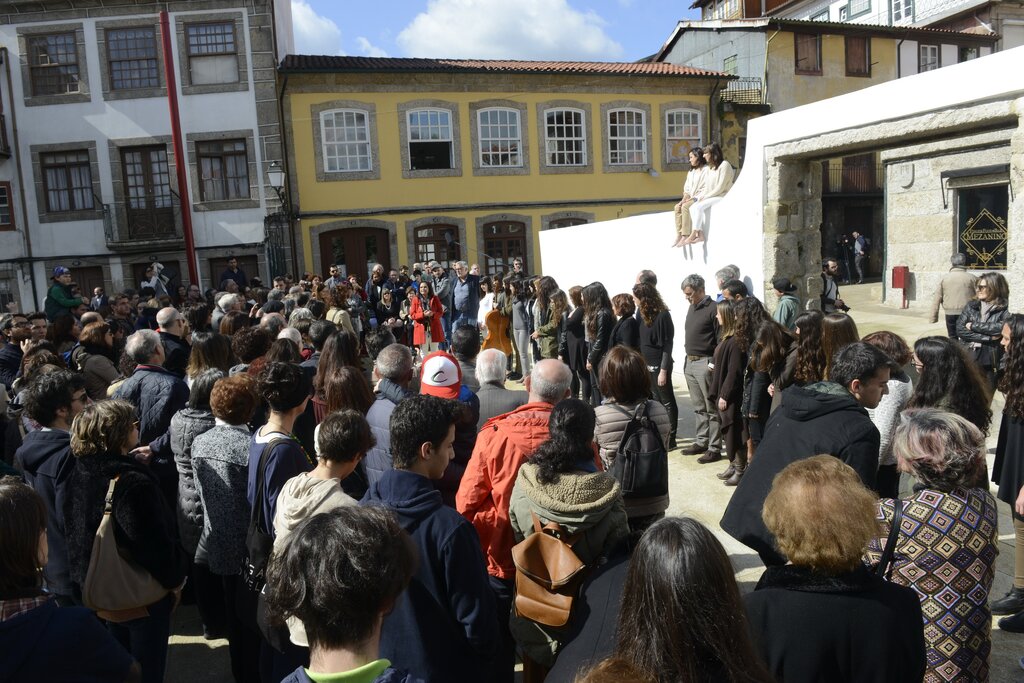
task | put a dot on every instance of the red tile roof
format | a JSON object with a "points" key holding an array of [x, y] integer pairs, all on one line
{"points": [[324, 63]]}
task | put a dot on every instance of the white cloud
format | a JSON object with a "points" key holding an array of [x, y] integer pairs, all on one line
{"points": [[314, 34], [368, 49], [499, 29]]}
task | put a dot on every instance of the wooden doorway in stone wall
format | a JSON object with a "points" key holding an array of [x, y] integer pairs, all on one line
{"points": [[355, 251]]}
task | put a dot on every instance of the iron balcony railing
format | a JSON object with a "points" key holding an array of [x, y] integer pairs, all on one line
{"points": [[747, 90]]}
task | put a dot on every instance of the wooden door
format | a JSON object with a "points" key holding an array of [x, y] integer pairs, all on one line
{"points": [[88, 278], [355, 251], [248, 264], [504, 242], [147, 187]]}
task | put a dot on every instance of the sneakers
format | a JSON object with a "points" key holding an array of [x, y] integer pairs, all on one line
{"points": [[1011, 603], [709, 457]]}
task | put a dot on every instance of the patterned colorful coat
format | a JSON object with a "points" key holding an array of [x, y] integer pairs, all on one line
{"points": [[947, 551]]}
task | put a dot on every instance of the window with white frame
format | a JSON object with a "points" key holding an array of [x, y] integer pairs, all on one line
{"points": [[500, 138], [627, 137], [430, 139], [346, 141], [928, 58], [855, 8], [212, 53], [902, 11], [682, 132], [565, 137], [821, 16], [6, 214]]}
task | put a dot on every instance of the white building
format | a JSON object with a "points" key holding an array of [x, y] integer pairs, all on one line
{"points": [[90, 180]]}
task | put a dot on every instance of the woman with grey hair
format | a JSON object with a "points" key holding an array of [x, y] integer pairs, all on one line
{"points": [[945, 548]]}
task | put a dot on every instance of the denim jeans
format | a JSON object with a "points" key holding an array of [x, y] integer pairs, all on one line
{"points": [[146, 638]]}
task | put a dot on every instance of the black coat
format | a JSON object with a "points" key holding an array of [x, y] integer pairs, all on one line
{"points": [[574, 350], [45, 458], [984, 331], [626, 332], [143, 521], [852, 628], [599, 344], [813, 420], [10, 363], [177, 351]]}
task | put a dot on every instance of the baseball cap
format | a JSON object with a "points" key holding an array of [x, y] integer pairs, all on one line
{"points": [[782, 284], [60, 270], [440, 375]]}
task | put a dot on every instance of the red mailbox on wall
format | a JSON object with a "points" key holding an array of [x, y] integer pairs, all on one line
{"points": [[900, 277]]}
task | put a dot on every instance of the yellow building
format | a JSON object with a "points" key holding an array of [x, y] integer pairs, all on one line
{"points": [[398, 161]]}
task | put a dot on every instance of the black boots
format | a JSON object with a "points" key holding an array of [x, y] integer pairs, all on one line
{"points": [[1014, 624], [1011, 603], [729, 471], [734, 480]]}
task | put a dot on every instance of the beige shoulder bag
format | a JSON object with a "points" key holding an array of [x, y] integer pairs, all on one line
{"points": [[115, 587]]}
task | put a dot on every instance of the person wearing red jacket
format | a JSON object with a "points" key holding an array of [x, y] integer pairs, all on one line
{"points": [[502, 446], [426, 312]]}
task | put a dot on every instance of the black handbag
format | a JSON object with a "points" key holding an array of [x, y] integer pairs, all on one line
{"points": [[258, 544], [885, 564]]}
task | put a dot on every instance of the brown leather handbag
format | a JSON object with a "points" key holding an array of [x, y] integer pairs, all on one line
{"points": [[115, 587], [548, 574]]}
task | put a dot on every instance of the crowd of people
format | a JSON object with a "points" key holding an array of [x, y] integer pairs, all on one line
{"points": [[339, 477]]}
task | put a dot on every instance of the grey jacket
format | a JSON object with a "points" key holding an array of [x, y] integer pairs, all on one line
{"points": [[496, 400], [186, 425], [612, 419], [220, 458], [378, 458]]}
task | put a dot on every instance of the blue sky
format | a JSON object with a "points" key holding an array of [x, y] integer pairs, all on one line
{"points": [[604, 30]]}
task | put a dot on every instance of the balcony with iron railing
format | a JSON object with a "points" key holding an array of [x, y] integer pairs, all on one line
{"points": [[746, 90], [852, 179], [129, 225]]}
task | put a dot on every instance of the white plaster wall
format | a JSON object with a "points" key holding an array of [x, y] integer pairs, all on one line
{"points": [[614, 251]]}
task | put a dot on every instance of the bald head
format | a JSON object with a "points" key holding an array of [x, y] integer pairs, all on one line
{"points": [[90, 317], [549, 381]]}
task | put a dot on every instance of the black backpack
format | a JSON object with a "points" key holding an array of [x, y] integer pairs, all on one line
{"points": [[641, 460]]}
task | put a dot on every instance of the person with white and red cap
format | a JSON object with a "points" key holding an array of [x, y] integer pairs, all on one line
{"points": [[441, 376]]}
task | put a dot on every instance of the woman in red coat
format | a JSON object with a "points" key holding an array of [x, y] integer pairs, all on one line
{"points": [[426, 311]]}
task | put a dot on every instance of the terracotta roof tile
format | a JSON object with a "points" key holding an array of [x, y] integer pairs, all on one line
{"points": [[313, 63]]}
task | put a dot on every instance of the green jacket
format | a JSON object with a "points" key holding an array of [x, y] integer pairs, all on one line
{"points": [[786, 312], [59, 301], [549, 335], [586, 503]]}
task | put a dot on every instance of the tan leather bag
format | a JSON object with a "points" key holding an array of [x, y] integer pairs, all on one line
{"points": [[548, 574], [115, 587]]}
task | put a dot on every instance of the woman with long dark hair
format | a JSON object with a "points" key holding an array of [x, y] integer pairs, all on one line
{"points": [[599, 319], [682, 619], [561, 483], [550, 313], [426, 312], [981, 322], [338, 313], [209, 351], [718, 180], [94, 358], [948, 380], [886, 415], [341, 350], [1008, 469], [627, 328], [692, 187], [767, 372], [657, 338], [574, 347], [837, 330], [810, 357]]}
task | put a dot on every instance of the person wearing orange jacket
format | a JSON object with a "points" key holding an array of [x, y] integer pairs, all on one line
{"points": [[502, 446], [426, 312]]}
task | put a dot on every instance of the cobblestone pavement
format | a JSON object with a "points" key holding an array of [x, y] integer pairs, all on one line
{"points": [[697, 493]]}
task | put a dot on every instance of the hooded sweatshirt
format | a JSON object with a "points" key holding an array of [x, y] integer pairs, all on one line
{"points": [[58, 645], [301, 498], [821, 418], [45, 458], [445, 626]]}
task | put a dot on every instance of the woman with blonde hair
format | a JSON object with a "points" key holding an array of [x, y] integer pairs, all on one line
{"points": [[825, 616], [102, 436], [950, 515]]}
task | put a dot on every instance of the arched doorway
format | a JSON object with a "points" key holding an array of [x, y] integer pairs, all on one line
{"points": [[504, 241], [355, 250]]}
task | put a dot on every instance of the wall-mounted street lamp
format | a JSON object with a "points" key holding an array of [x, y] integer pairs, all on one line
{"points": [[275, 174]]}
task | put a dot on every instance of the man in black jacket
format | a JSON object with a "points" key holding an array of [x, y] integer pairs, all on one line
{"points": [[820, 418], [157, 395], [52, 400], [176, 349], [10, 351]]}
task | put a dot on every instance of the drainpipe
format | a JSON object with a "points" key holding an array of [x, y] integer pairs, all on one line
{"points": [[179, 149], [767, 46], [899, 57], [15, 148], [711, 103], [292, 219]]}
